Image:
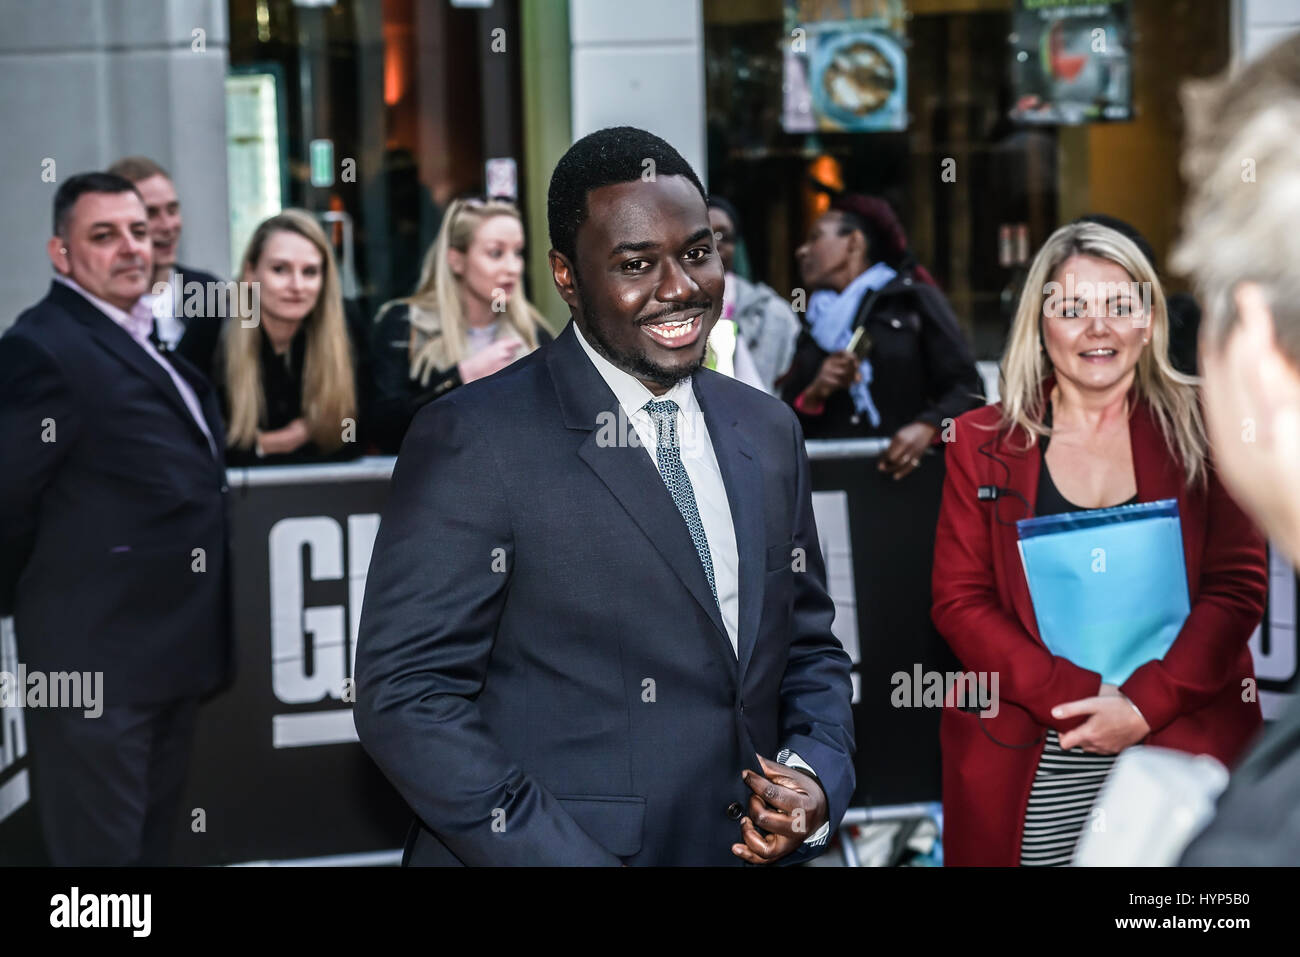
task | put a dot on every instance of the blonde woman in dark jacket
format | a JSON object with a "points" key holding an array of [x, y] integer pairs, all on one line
{"points": [[467, 318]]}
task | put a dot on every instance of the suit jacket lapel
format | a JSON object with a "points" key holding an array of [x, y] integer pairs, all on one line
{"points": [[743, 479], [588, 404], [1022, 475], [119, 342], [207, 397]]}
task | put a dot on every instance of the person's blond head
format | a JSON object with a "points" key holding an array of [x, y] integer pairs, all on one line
{"points": [[1170, 395], [329, 384], [437, 310]]}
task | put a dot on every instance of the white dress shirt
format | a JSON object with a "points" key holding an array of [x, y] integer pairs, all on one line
{"points": [[138, 323], [701, 465]]}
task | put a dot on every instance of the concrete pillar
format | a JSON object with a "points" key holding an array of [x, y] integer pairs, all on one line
{"points": [[641, 65], [1261, 24], [89, 81]]}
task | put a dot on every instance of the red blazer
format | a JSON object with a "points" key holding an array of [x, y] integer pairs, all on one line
{"points": [[1192, 699]]}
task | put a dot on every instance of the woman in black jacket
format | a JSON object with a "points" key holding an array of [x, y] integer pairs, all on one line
{"points": [[912, 369], [291, 375], [467, 318]]}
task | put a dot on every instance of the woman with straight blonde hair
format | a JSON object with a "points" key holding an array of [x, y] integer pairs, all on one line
{"points": [[1092, 416], [467, 318], [288, 375]]}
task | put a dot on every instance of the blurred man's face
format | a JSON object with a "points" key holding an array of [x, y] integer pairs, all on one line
{"points": [[1252, 415], [164, 211], [648, 283], [108, 249]]}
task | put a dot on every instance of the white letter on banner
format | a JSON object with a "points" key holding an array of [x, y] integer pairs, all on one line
{"points": [[362, 530], [290, 622]]}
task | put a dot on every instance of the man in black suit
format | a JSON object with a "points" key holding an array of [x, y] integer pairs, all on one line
{"points": [[112, 533], [178, 294], [596, 629]]}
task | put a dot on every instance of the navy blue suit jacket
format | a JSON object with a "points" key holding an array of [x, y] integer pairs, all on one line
{"points": [[542, 671], [107, 486]]}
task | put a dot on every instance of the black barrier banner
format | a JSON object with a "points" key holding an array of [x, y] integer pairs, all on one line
{"points": [[20, 840], [878, 538], [276, 772]]}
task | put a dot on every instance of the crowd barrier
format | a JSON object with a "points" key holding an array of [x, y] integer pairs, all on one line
{"points": [[277, 774]]}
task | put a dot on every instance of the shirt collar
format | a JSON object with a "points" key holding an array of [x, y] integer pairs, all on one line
{"points": [[138, 322], [631, 393]]}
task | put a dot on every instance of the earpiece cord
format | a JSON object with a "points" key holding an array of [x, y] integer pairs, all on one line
{"points": [[1000, 490]]}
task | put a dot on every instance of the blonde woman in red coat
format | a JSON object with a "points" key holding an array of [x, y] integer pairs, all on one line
{"points": [[1092, 416]]}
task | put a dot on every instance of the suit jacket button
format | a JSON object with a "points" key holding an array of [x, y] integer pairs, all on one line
{"points": [[735, 811]]}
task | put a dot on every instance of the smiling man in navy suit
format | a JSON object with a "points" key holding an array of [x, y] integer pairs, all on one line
{"points": [[596, 627]]}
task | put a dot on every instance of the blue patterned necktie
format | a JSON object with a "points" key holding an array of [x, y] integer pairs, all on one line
{"points": [[668, 455]]}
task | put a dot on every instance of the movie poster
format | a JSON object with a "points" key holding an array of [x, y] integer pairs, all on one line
{"points": [[845, 66], [1071, 62]]}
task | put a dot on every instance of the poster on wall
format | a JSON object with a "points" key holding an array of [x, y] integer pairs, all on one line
{"points": [[845, 66], [1071, 62]]}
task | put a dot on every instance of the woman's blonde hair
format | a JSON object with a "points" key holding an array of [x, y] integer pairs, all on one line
{"points": [[1170, 394], [329, 384], [438, 338]]}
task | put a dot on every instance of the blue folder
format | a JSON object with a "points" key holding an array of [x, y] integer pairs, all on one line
{"points": [[1109, 585]]}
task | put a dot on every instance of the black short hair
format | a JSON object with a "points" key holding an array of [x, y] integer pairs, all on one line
{"points": [[74, 187], [604, 158]]}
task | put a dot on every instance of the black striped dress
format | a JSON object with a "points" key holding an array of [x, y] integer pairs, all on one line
{"points": [[1066, 783]]}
